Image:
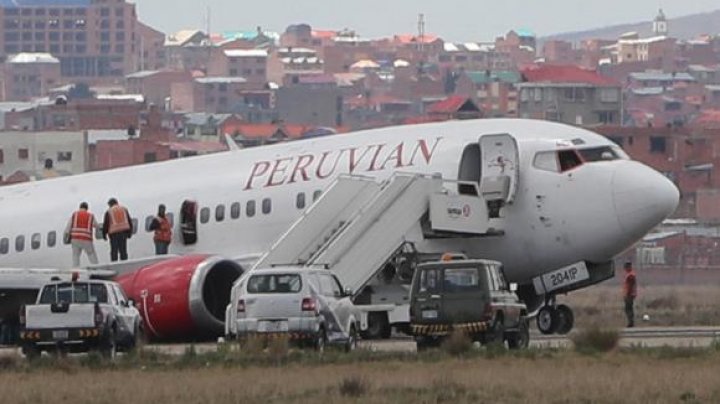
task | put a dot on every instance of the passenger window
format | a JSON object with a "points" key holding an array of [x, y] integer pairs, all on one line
{"points": [[135, 226], [250, 209], [235, 210], [51, 239], [171, 218], [569, 159], [266, 206], [19, 243], [316, 195], [300, 200], [98, 234], [4, 246], [35, 241], [546, 161], [220, 213], [204, 215]]}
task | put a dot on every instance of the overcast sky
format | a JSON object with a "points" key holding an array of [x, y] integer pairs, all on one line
{"points": [[454, 20]]}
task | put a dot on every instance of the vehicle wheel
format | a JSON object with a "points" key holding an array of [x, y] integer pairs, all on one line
{"points": [[140, 338], [351, 344], [31, 351], [320, 340], [566, 319], [547, 320], [378, 326], [109, 347], [520, 339], [497, 331]]}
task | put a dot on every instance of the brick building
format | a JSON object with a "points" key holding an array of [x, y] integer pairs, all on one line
{"points": [[569, 94], [29, 75], [93, 39]]}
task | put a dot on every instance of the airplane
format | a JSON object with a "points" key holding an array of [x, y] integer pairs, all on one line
{"points": [[577, 202]]}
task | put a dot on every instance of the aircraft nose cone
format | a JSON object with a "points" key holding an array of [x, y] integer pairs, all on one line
{"points": [[643, 198]]}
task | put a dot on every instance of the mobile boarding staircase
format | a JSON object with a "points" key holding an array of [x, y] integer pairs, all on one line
{"points": [[357, 224]]}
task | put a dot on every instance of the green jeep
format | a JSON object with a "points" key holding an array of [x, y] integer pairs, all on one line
{"points": [[471, 296]]}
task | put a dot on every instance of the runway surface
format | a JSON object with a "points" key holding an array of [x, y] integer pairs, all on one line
{"points": [[642, 336]]}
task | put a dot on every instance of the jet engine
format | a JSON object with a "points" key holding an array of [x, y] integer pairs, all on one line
{"points": [[183, 298]]}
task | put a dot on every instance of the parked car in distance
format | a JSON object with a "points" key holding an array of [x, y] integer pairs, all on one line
{"points": [[309, 306], [465, 295], [79, 316]]}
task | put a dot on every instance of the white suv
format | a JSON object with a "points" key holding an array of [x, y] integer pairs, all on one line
{"points": [[308, 305]]}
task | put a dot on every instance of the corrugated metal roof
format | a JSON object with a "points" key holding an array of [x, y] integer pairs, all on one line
{"points": [[246, 53], [504, 76], [33, 58], [660, 76], [219, 80], [49, 3]]}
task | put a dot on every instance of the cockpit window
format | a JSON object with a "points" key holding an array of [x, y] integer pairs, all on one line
{"points": [[604, 153], [568, 159], [547, 161]]}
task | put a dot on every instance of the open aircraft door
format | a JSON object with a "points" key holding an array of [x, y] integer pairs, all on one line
{"points": [[500, 170]]}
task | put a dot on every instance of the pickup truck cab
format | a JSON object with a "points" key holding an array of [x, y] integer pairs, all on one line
{"points": [[471, 296], [79, 316], [309, 306]]}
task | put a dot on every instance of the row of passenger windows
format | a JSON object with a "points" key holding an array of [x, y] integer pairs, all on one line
{"points": [[235, 211]]}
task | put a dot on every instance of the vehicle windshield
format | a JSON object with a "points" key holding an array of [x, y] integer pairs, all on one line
{"points": [[461, 280], [276, 283], [74, 293]]}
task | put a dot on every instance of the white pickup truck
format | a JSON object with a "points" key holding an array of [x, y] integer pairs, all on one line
{"points": [[79, 316]]}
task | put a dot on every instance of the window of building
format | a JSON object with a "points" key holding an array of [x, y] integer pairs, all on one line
{"points": [[35, 241], [606, 117], [20, 243], [266, 206], [55, 12], [120, 24], [80, 49], [119, 12], [68, 24], [204, 215], [105, 36], [64, 156], [27, 36], [220, 213], [300, 200], [105, 12], [233, 72], [54, 36], [250, 209], [525, 94], [538, 94], [23, 154], [51, 239], [235, 210], [658, 144], [609, 95], [618, 140], [150, 157], [67, 36], [120, 36], [4, 245]]}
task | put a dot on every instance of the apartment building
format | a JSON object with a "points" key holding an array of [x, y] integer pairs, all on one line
{"points": [[93, 39]]}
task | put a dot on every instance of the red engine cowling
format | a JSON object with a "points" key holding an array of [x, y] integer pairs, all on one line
{"points": [[183, 298]]}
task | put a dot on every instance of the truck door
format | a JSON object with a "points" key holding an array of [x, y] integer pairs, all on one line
{"points": [[427, 299], [499, 159], [464, 294]]}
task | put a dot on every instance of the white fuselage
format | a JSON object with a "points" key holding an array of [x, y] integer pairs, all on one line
{"points": [[589, 213]]}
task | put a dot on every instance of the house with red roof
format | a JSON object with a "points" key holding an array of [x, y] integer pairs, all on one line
{"points": [[454, 107], [569, 94]]}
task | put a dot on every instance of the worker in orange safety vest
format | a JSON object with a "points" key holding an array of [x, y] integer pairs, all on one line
{"points": [[163, 231], [79, 234], [117, 225]]}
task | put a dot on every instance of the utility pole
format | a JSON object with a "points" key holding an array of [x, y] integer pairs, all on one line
{"points": [[421, 39]]}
